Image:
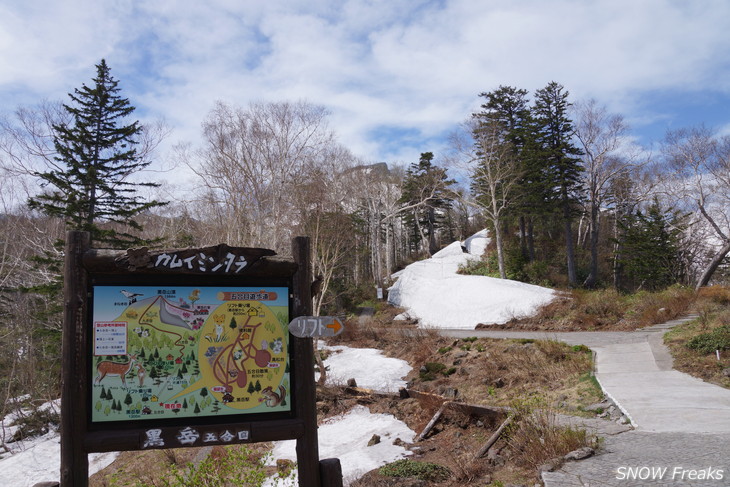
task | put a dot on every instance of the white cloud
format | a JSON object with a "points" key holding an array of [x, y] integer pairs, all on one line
{"points": [[416, 66]]}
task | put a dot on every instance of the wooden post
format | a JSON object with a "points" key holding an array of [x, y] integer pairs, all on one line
{"points": [[308, 445], [330, 470], [74, 459]]}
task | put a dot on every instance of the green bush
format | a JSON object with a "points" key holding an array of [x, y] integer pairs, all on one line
{"points": [[431, 369], [426, 471], [717, 339], [232, 466]]}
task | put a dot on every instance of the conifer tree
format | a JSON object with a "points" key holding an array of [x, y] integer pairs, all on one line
{"points": [[651, 257], [89, 186], [426, 189], [559, 159]]}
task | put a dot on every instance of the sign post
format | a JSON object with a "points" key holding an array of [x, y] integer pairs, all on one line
{"points": [[183, 348], [316, 326]]}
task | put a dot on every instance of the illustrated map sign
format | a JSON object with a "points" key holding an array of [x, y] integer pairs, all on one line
{"points": [[315, 326], [168, 351]]}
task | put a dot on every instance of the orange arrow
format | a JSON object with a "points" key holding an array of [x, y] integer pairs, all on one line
{"points": [[335, 325]]}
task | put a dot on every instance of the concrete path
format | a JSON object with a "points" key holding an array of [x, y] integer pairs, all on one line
{"points": [[680, 422]]}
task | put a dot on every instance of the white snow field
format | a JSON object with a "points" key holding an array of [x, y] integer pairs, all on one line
{"points": [[433, 293]]}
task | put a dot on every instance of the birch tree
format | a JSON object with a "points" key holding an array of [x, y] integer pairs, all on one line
{"points": [[700, 163], [495, 173], [253, 158], [600, 135]]}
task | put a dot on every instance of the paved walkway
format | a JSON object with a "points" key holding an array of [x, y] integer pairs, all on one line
{"points": [[681, 423]]}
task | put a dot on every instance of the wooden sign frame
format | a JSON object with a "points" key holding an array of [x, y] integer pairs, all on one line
{"points": [[210, 266]]}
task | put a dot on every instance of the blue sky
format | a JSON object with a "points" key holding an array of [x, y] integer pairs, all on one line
{"points": [[397, 76]]}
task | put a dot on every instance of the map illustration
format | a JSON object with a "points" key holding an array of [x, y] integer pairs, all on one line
{"points": [[165, 352]]}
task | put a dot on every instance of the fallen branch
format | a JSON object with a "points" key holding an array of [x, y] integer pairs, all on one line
{"points": [[431, 423], [493, 439]]}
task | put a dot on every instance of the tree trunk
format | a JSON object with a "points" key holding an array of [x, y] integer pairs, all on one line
{"points": [[569, 247], [500, 252], [523, 237], [592, 278], [432, 248], [713, 265], [530, 240]]}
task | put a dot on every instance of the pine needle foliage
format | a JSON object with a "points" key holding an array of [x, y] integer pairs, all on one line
{"points": [[89, 186]]}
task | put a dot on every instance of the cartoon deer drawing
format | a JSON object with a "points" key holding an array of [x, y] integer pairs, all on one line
{"points": [[115, 368]]}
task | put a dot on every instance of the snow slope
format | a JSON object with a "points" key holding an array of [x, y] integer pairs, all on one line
{"points": [[432, 292], [38, 459]]}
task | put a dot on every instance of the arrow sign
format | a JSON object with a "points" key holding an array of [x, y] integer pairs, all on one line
{"points": [[315, 326]]}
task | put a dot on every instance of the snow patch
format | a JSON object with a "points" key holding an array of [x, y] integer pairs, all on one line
{"points": [[346, 437], [368, 366], [433, 292]]}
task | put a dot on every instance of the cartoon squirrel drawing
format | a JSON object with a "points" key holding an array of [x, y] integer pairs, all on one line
{"points": [[271, 398]]}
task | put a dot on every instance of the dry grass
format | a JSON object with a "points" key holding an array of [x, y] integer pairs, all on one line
{"points": [[713, 307], [537, 438], [608, 309], [497, 372]]}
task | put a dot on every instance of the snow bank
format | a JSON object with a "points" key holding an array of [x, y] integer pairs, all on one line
{"points": [[39, 459], [438, 297], [368, 366], [346, 437]]}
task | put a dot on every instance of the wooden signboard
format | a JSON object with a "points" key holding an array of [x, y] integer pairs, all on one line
{"points": [[179, 348]]}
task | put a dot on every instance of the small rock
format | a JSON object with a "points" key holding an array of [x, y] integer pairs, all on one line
{"points": [[551, 465], [623, 420], [461, 355], [403, 393], [457, 361], [480, 423], [423, 369], [351, 383], [499, 383], [580, 453], [451, 392], [374, 440], [495, 458], [398, 442], [726, 372], [599, 406], [283, 465]]}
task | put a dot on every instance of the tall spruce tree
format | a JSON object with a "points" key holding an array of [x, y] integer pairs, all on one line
{"points": [[559, 158], [426, 189], [96, 154]]}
